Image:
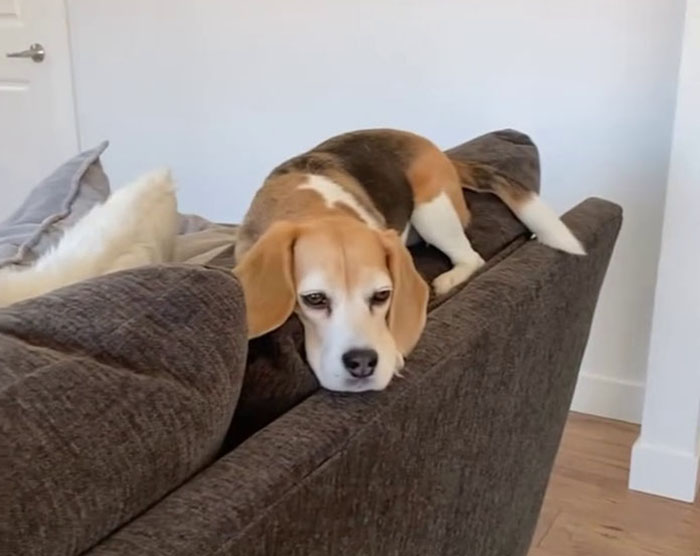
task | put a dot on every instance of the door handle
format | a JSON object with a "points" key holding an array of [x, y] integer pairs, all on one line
{"points": [[36, 52]]}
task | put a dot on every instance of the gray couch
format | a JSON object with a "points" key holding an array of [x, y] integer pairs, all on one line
{"points": [[135, 419]]}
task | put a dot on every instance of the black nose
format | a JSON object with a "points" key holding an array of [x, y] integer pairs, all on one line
{"points": [[360, 362]]}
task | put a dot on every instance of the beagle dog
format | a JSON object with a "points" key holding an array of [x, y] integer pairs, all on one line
{"points": [[325, 237]]}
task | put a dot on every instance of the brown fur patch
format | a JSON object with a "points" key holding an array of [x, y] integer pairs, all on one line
{"points": [[430, 173], [387, 171], [281, 198], [376, 159], [344, 249], [486, 179]]}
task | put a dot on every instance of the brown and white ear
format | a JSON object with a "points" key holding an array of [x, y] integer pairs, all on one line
{"points": [[409, 304], [266, 275]]}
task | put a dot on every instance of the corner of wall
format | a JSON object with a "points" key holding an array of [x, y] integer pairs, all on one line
{"points": [[609, 397]]}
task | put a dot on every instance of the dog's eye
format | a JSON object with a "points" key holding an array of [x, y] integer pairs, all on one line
{"points": [[379, 297], [316, 300]]}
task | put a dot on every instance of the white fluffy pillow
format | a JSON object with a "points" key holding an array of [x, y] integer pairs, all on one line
{"points": [[136, 226]]}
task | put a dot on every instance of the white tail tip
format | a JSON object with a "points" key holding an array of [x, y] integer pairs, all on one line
{"points": [[546, 225], [564, 241]]}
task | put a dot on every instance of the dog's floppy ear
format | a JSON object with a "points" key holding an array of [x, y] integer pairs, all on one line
{"points": [[266, 275], [409, 302]]}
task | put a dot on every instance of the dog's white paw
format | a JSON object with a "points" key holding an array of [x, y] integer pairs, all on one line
{"points": [[458, 274]]}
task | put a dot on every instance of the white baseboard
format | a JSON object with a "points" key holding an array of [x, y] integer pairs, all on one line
{"points": [[609, 397], [664, 472]]}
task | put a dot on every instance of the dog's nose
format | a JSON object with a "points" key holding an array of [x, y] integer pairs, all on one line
{"points": [[360, 363]]}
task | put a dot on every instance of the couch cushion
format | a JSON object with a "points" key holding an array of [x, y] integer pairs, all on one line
{"points": [[277, 376], [514, 155], [112, 393], [55, 204]]}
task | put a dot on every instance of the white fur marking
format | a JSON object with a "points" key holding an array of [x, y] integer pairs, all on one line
{"points": [[546, 225], [333, 194], [438, 223], [312, 282]]}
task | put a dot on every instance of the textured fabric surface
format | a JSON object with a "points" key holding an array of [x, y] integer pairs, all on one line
{"points": [[278, 378], [55, 204], [112, 393], [453, 460], [203, 245]]}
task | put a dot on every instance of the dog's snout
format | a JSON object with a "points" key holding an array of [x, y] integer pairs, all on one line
{"points": [[360, 363]]}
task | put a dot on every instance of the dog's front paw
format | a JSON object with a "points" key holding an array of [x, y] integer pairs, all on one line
{"points": [[459, 274]]}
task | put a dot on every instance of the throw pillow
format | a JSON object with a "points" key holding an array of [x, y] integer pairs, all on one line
{"points": [[55, 204]]}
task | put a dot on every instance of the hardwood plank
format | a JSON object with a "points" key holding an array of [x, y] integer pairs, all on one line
{"points": [[571, 535], [547, 516], [537, 551], [588, 509]]}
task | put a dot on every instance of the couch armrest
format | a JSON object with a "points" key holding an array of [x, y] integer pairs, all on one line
{"points": [[453, 459], [113, 392]]}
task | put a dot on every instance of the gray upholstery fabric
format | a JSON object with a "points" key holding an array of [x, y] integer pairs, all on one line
{"points": [[112, 393], [452, 460], [55, 204], [514, 154], [277, 377]]}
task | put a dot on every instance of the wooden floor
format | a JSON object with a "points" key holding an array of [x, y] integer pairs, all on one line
{"points": [[589, 511]]}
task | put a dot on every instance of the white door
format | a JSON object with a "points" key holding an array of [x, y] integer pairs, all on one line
{"points": [[37, 117]]}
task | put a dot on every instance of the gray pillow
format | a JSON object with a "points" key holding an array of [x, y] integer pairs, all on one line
{"points": [[57, 203]]}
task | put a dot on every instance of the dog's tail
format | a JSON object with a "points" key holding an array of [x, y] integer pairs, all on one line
{"points": [[137, 225], [539, 218]]}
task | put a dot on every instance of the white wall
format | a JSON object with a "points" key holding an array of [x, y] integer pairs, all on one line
{"points": [[665, 458], [223, 90]]}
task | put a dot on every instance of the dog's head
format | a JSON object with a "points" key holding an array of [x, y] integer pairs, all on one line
{"points": [[355, 289]]}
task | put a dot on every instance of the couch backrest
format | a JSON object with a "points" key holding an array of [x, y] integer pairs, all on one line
{"points": [[452, 460]]}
